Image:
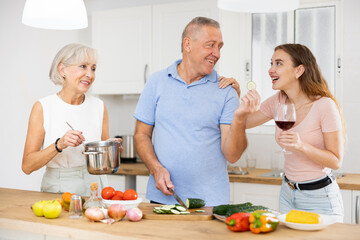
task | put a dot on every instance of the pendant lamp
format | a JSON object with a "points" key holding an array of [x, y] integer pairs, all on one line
{"points": [[55, 14], [258, 6]]}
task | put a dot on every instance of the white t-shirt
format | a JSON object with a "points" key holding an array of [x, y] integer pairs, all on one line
{"points": [[86, 117]]}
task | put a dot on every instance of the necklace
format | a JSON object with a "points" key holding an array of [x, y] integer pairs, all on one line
{"points": [[297, 108], [82, 100]]}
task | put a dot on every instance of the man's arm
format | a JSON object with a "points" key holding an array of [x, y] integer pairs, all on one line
{"points": [[233, 137], [145, 150]]}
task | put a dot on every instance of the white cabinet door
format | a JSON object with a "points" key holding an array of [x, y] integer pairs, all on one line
{"points": [[169, 21], [347, 198], [141, 185], [123, 40], [258, 194], [355, 211]]}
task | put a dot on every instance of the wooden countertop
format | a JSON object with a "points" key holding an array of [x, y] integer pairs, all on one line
{"points": [[15, 214], [350, 181]]}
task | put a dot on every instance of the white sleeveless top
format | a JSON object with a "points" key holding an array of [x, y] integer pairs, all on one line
{"points": [[86, 117]]}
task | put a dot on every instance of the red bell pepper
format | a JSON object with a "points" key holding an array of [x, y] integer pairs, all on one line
{"points": [[238, 222]]}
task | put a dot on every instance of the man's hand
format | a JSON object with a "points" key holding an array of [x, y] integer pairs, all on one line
{"points": [[162, 180]]}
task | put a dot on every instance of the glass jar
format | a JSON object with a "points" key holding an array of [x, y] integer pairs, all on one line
{"points": [[94, 200]]}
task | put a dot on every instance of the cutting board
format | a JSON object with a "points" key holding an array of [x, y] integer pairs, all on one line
{"points": [[148, 213]]}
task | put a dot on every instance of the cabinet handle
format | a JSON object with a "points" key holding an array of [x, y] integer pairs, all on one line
{"points": [[145, 71], [357, 205]]}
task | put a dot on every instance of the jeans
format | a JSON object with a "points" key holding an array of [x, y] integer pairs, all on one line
{"points": [[326, 200]]}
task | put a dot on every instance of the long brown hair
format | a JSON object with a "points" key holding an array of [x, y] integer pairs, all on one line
{"points": [[312, 82]]}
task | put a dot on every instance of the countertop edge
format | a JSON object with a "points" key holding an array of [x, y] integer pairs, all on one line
{"points": [[349, 182]]}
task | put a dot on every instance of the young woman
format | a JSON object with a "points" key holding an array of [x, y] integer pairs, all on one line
{"points": [[317, 138]]}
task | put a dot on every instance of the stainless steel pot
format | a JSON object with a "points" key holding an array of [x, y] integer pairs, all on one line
{"points": [[102, 157]]}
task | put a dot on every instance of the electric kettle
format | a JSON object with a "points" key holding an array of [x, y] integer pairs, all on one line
{"points": [[128, 155]]}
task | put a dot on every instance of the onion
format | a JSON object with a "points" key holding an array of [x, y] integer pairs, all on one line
{"points": [[94, 214], [134, 214], [116, 212]]}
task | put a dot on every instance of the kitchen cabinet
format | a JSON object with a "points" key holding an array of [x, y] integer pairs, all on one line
{"points": [[258, 194], [122, 38], [135, 42], [141, 185], [347, 199], [169, 20], [121, 183], [355, 195]]}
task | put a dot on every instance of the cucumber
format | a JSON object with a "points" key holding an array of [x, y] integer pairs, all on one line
{"points": [[181, 208], [194, 203], [223, 209], [186, 212], [200, 211], [170, 209]]}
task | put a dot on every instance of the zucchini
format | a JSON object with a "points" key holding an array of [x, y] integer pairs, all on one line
{"points": [[249, 209], [223, 209], [194, 203]]}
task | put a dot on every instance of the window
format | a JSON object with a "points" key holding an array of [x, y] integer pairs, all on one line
{"points": [[313, 25]]}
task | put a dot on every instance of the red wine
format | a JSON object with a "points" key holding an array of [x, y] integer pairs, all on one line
{"points": [[285, 125]]}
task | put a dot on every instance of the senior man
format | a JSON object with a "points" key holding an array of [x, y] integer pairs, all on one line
{"points": [[188, 127]]}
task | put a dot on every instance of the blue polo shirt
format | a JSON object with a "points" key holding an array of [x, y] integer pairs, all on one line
{"points": [[186, 136]]}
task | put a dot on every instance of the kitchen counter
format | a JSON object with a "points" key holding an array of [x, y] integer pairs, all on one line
{"points": [[17, 217], [350, 181]]}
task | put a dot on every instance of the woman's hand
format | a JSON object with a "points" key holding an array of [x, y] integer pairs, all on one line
{"points": [[117, 140], [224, 82], [250, 103], [290, 140], [72, 138]]}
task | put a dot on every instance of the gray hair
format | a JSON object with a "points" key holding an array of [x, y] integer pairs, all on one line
{"points": [[73, 53], [195, 26]]}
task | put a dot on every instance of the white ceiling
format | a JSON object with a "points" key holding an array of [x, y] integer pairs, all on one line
{"points": [[108, 4]]}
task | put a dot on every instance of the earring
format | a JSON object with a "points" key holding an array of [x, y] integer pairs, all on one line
{"points": [[64, 75]]}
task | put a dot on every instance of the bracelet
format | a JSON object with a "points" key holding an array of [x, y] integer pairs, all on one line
{"points": [[56, 145]]}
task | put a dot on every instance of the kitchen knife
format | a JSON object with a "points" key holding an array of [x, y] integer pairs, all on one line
{"points": [[177, 197]]}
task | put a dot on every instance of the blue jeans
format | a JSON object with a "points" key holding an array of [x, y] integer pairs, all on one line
{"points": [[326, 200]]}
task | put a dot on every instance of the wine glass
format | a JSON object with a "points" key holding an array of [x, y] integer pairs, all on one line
{"points": [[285, 118]]}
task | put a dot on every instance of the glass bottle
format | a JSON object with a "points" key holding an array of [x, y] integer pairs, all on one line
{"points": [[94, 200]]}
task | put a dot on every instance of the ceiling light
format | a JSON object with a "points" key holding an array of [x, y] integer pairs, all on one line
{"points": [[258, 6], [55, 14]]}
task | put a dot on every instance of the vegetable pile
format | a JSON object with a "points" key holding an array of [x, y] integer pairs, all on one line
{"points": [[246, 216], [229, 209]]}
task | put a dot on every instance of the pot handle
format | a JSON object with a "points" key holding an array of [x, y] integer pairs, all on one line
{"points": [[92, 153]]}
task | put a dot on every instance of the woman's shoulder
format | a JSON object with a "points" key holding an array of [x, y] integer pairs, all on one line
{"points": [[94, 100], [324, 102], [48, 99]]}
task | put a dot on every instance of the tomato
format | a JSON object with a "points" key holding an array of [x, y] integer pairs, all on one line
{"points": [[107, 193], [119, 193], [116, 197], [130, 194]]}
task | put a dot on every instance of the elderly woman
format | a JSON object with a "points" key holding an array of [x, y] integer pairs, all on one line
{"points": [[50, 142]]}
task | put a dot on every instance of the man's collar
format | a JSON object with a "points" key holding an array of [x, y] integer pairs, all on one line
{"points": [[172, 71]]}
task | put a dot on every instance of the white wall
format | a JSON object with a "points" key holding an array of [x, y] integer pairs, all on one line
{"points": [[26, 54]]}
